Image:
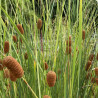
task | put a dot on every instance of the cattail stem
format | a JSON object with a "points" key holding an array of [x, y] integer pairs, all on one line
{"points": [[41, 40], [30, 88]]}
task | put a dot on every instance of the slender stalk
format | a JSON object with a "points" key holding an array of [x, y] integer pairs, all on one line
{"points": [[30, 87]]}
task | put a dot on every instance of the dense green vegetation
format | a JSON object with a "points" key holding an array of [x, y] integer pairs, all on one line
{"points": [[60, 19]]}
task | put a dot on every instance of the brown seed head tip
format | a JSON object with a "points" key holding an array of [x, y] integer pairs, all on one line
{"points": [[13, 66], [96, 71], [69, 37], [88, 65], [39, 23], [20, 28], [26, 56], [83, 34], [91, 57], [6, 73], [59, 71], [96, 80], [6, 47], [68, 43], [46, 66], [51, 78], [97, 56], [12, 77], [46, 96], [14, 38]]}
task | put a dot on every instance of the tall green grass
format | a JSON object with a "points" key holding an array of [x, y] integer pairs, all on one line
{"points": [[72, 82]]}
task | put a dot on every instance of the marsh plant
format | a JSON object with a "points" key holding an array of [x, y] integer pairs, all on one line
{"points": [[48, 49]]}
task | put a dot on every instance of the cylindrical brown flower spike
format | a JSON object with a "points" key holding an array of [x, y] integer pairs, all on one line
{"points": [[88, 65], [51, 78], [96, 71], [19, 26], [46, 66], [6, 47], [13, 66], [14, 38], [46, 96], [6, 73], [91, 57], [97, 56], [83, 34], [12, 77], [69, 42], [68, 50], [26, 56], [39, 23]]}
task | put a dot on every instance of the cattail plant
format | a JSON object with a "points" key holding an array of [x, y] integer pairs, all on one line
{"points": [[97, 57], [91, 57], [39, 24], [94, 80], [45, 66], [6, 73], [13, 66], [6, 47], [68, 50], [88, 65], [20, 28], [20, 40], [59, 72], [46, 96], [83, 34], [51, 78], [14, 38], [96, 71], [26, 56]]}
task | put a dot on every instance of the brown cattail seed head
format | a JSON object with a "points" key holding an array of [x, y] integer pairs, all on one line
{"points": [[68, 50], [14, 38], [69, 37], [46, 96], [20, 28], [83, 34], [12, 77], [51, 78], [6, 47], [26, 56], [13, 66], [69, 42], [94, 80], [20, 40], [97, 56], [88, 65], [6, 73], [96, 71], [91, 57], [46, 66], [39, 23]]}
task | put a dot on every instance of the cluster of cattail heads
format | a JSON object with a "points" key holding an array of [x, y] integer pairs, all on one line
{"points": [[6, 47], [51, 78], [26, 56], [46, 96], [39, 24], [68, 47], [14, 68], [45, 66], [14, 38], [83, 34]]}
